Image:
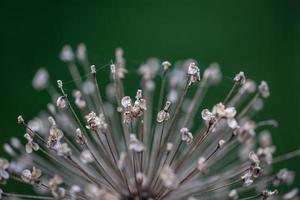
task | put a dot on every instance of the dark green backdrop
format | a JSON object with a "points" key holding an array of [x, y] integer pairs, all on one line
{"points": [[260, 37]]}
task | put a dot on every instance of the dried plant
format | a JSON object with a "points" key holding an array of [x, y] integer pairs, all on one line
{"points": [[162, 144]]}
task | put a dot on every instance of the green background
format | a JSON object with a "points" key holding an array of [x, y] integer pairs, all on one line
{"points": [[260, 37]]}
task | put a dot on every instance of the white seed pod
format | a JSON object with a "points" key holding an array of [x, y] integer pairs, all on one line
{"points": [[67, 54], [221, 143], [254, 158], [166, 65], [122, 160], [80, 139], [61, 102], [213, 74], [194, 72], [291, 195], [169, 178], [59, 83], [232, 123], [201, 164], [207, 115], [162, 116], [233, 195], [93, 69], [240, 78], [88, 87], [63, 149], [41, 79], [247, 179], [169, 146], [126, 102], [86, 157], [186, 135], [268, 193], [81, 53], [79, 101], [135, 144], [264, 89], [20, 119]]}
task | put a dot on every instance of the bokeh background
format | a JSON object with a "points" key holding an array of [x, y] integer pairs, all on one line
{"points": [[259, 37]]}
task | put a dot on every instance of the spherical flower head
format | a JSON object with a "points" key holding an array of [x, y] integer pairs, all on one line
{"points": [[138, 147]]}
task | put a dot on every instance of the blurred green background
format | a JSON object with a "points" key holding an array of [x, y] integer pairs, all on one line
{"points": [[260, 37]]}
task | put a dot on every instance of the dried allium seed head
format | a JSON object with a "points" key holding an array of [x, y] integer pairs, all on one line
{"points": [[128, 155]]}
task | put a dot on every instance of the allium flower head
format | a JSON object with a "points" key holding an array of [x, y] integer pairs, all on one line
{"points": [[153, 140]]}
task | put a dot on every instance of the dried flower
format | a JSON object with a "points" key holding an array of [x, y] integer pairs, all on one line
{"points": [[240, 78], [135, 147], [30, 144], [169, 178], [32, 177], [186, 136], [4, 175]]}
